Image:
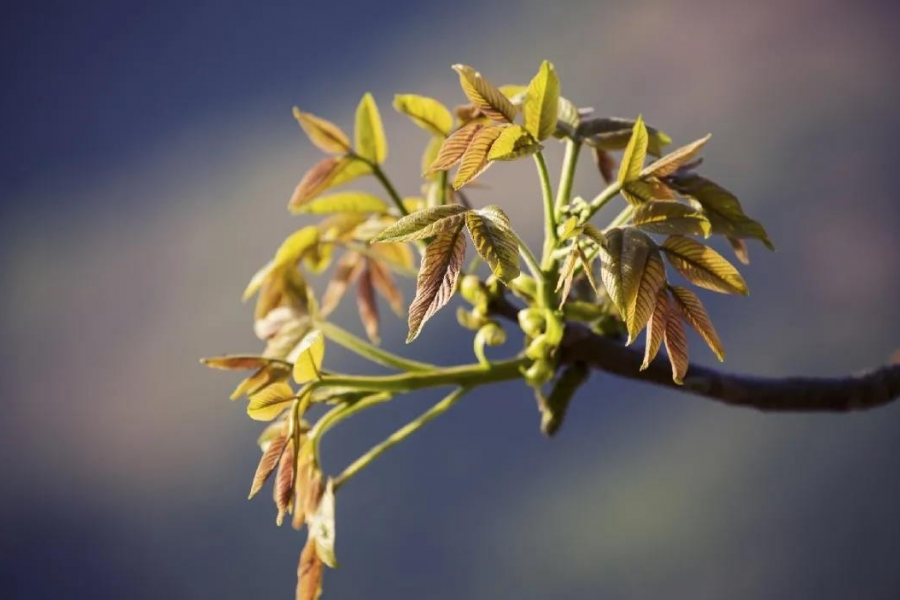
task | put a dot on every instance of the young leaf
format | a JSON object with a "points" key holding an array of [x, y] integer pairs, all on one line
{"points": [[542, 102], [475, 160], [693, 311], [346, 271], [676, 344], [268, 462], [236, 362], [613, 133], [366, 304], [656, 328], [343, 202], [324, 134], [295, 246], [606, 164], [321, 526], [633, 274], [586, 267], [494, 240], [454, 147], [423, 224], [660, 216], [646, 190], [386, 286], [740, 249], [270, 401], [283, 490], [427, 113], [567, 119], [514, 142], [671, 162], [703, 266], [430, 155], [328, 173], [398, 256], [721, 207], [308, 356], [635, 153], [566, 274], [371, 143], [437, 277], [484, 95], [309, 573]]}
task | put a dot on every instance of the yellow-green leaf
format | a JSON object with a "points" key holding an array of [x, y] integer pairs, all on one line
{"points": [[427, 113], [512, 143], [542, 102], [721, 207], [635, 153], [633, 274], [308, 356], [295, 246], [423, 224], [646, 190], [656, 328], [671, 162], [660, 216], [703, 266], [475, 160], [328, 173], [270, 401], [495, 242], [371, 143], [437, 278], [693, 311], [344, 202], [454, 147], [676, 344], [515, 93], [484, 95], [324, 134]]}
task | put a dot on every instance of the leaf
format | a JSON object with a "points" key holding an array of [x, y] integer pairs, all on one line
{"points": [[437, 277], [586, 267], [674, 160], [371, 143], [660, 216], [740, 249], [427, 113], [694, 313], [295, 246], [430, 155], [270, 401], [633, 274], [635, 153], [327, 136], [613, 133], [703, 266], [484, 95], [346, 271], [268, 462], [566, 275], [264, 376], [454, 147], [494, 241], [309, 573], [475, 159], [365, 302], [394, 255], [676, 345], [321, 526], [567, 117], [308, 356], [344, 202], [386, 286], [721, 207], [606, 164], [640, 191], [515, 93], [512, 143], [327, 173], [236, 362], [423, 224], [283, 490], [542, 102], [656, 328]]}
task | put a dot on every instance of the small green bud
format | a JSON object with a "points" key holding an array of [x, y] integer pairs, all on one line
{"points": [[539, 373], [472, 290], [540, 348], [493, 334], [532, 321]]}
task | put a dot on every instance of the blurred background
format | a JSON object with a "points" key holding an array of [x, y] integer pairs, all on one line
{"points": [[148, 152]]}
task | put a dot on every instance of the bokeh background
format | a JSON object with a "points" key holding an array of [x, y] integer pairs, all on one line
{"points": [[148, 151]]}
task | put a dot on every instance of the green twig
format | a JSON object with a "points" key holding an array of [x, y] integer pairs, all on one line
{"points": [[344, 338], [551, 238], [398, 436], [567, 177]]}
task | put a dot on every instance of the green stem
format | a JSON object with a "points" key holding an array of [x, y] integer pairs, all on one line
{"points": [[550, 235], [601, 200], [338, 414], [530, 259], [344, 338], [398, 436], [567, 177], [389, 187], [463, 375]]}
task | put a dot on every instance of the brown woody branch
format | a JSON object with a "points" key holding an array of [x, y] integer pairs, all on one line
{"points": [[862, 391]]}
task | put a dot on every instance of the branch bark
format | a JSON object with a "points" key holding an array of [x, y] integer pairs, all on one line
{"points": [[862, 391]]}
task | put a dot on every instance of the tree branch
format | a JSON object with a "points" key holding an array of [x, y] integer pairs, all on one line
{"points": [[863, 391]]}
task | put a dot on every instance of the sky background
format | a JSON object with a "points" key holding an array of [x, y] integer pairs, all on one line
{"points": [[148, 151]]}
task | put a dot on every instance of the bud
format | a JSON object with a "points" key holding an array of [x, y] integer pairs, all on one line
{"points": [[472, 290], [532, 321]]}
